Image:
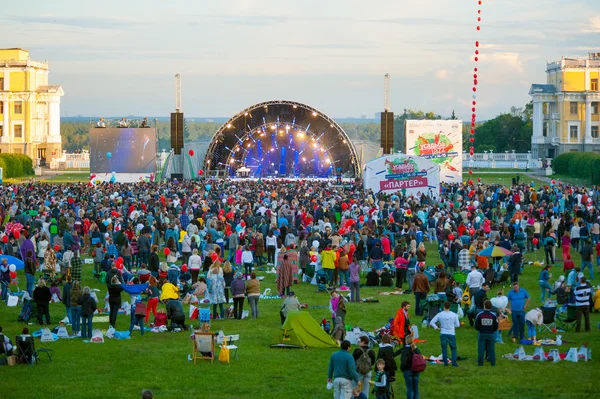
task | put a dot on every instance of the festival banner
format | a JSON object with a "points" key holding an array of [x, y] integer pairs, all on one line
{"points": [[408, 175], [440, 141]]}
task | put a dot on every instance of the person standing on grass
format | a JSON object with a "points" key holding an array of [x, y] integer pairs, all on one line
{"points": [[583, 296], [153, 295], [448, 322], [42, 298], [364, 357], [486, 323], [66, 297], [88, 307], [586, 257], [284, 276], [114, 300], [420, 287], [76, 294], [401, 324], [411, 378], [253, 293], [30, 272], [76, 266], [238, 290], [354, 282], [342, 372], [518, 299], [544, 282]]}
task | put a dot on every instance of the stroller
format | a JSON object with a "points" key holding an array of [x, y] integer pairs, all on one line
{"points": [[321, 277]]}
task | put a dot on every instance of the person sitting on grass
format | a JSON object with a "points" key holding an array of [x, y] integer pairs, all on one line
{"points": [[175, 314], [290, 304], [372, 278], [8, 346], [386, 277]]}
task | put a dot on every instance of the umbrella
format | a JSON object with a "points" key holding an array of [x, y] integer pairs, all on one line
{"points": [[31, 213], [496, 252]]}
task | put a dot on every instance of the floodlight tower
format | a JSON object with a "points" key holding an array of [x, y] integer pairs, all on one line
{"points": [[178, 93], [387, 119]]}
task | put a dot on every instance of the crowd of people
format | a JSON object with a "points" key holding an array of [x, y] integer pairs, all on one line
{"points": [[215, 236]]}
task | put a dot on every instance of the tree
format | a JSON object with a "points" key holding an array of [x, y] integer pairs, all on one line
{"points": [[506, 132]]}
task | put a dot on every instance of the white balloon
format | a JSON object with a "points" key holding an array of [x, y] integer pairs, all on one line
{"points": [[478, 219], [489, 198], [517, 221], [114, 173], [12, 268], [476, 204], [517, 207], [315, 244]]}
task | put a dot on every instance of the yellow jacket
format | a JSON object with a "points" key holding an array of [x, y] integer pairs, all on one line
{"points": [[328, 259], [169, 291]]}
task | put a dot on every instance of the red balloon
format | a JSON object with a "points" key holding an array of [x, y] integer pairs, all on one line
{"points": [[361, 218], [191, 152], [119, 266], [470, 172], [120, 260], [451, 237], [471, 231], [17, 234], [344, 206], [13, 274], [342, 231], [479, 179], [184, 268], [214, 256], [535, 241], [57, 247], [5, 239], [166, 251], [200, 172], [243, 224], [313, 258]]}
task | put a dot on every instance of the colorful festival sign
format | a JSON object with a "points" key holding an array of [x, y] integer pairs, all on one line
{"points": [[409, 175], [441, 142]]}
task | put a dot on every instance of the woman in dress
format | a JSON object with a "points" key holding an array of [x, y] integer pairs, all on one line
{"points": [[217, 290], [284, 277]]}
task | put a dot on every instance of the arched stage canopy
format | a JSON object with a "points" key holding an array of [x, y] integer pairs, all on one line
{"points": [[282, 139]]}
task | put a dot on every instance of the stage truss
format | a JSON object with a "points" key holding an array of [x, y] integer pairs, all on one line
{"points": [[269, 124]]}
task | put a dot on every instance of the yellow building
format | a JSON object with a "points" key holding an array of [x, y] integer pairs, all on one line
{"points": [[29, 107], [565, 109]]}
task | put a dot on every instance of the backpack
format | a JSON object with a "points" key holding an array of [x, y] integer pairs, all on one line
{"points": [[140, 309], [418, 363], [363, 364]]}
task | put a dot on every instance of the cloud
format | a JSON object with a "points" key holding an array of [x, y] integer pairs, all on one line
{"points": [[442, 74], [593, 25], [74, 22], [333, 46], [511, 60]]}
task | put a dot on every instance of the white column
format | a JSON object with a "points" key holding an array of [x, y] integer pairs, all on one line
{"points": [[588, 120], [538, 121], [53, 134]]}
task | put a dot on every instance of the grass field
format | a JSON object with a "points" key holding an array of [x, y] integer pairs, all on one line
{"points": [[121, 369]]}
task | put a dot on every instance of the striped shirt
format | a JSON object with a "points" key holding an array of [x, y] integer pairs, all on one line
{"points": [[582, 295]]}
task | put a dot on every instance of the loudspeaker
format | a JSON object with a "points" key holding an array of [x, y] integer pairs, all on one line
{"points": [[177, 132], [387, 132], [178, 176]]}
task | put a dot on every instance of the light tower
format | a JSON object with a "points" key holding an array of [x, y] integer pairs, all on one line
{"points": [[177, 93], [387, 119], [174, 167]]}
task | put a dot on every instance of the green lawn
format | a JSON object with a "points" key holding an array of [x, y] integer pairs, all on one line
{"points": [[579, 181], [121, 369], [68, 177], [500, 178]]}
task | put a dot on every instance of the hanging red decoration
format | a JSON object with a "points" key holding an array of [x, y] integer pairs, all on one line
{"points": [[191, 152], [475, 83]]}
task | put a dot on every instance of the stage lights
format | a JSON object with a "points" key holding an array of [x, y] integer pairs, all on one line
{"points": [[314, 113], [229, 126]]}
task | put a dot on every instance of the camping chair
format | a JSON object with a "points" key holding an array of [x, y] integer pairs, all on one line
{"points": [[321, 281], [204, 319], [568, 321], [548, 314], [3, 354], [204, 346], [230, 342], [26, 350], [503, 278]]}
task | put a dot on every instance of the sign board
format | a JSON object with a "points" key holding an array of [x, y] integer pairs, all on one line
{"points": [[440, 141], [409, 175]]}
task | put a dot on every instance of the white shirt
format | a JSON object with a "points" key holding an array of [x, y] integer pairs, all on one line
{"points": [[475, 279], [247, 257], [448, 321]]}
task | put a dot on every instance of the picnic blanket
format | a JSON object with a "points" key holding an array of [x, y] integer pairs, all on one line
{"points": [[134, 289]]}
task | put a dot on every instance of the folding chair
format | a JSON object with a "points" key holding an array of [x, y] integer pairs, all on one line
{"points": [[27, 352], [548, 323], [230, 342], [503, 279], [3, 353], [204, 319], [204, 346], [569, 320]]}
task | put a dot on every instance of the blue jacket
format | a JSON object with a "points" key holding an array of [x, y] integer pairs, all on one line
{"points": [[342, 365]]}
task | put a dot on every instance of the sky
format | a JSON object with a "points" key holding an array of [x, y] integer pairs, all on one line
{"points": [[120, 57]]}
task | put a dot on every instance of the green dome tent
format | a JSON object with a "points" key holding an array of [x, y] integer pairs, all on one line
{"points": [[300, 330]]}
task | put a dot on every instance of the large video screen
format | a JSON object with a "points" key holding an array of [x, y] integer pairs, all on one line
{"points": [[122, 150]]}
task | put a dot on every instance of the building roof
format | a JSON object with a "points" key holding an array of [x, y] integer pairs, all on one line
{"points": [[49, 89], [542, 89]]}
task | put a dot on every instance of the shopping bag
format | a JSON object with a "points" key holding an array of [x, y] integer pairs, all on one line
{"points": [[539, 354], [519, 353], [97, 336], [13, 300], [572, 355], [553, 356], [583, 353], [110, 333], [54, 299], [460, 313], [193, 313], [224, 354], [414, 330]]}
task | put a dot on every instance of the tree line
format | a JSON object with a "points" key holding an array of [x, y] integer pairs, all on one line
{"points": [[507, 131]]}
